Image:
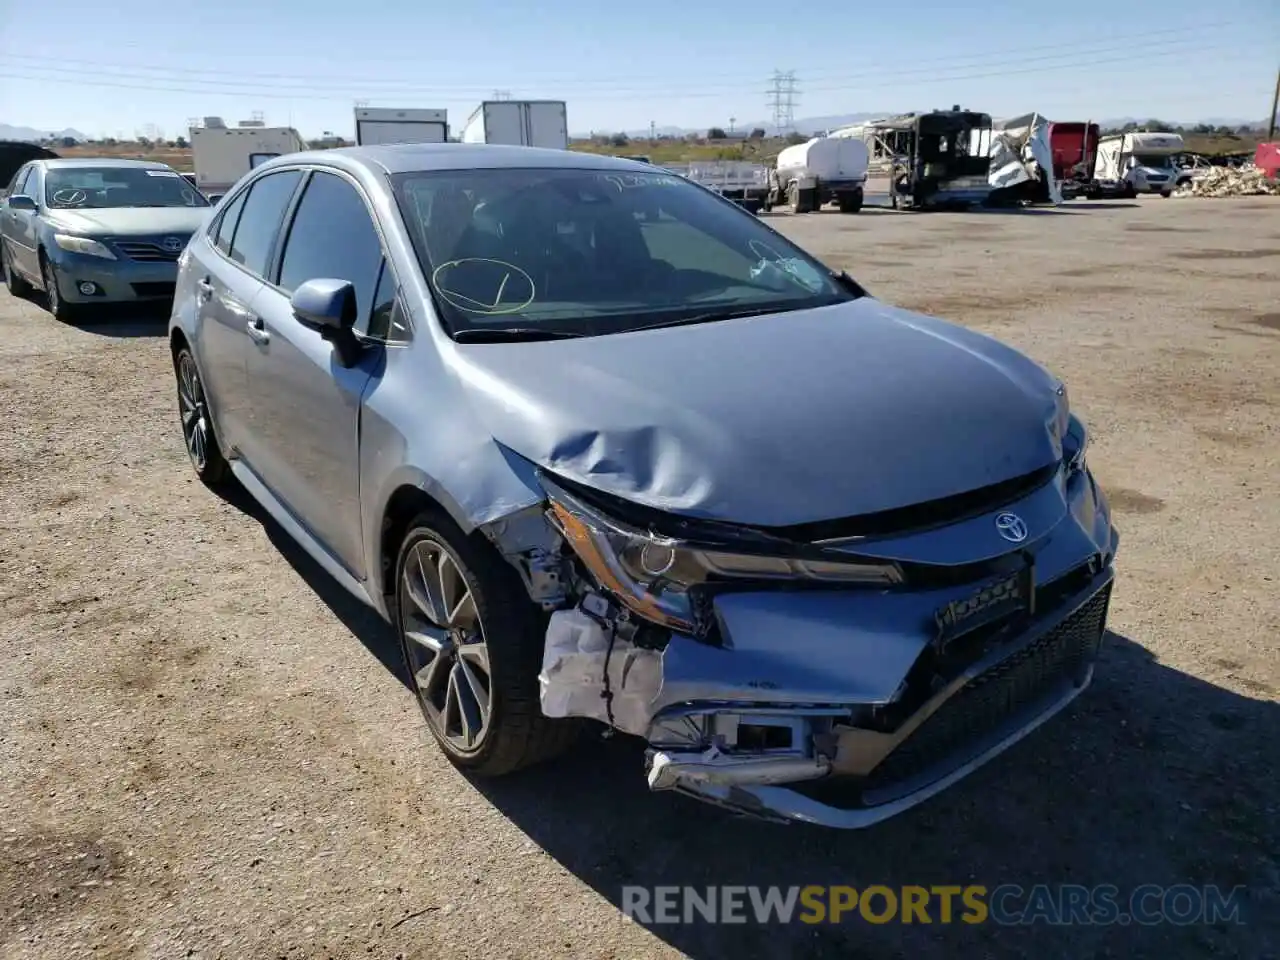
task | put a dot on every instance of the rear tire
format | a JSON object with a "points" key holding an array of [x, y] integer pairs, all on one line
{"points": [[472, 643], [17, 285], [197, 423], [850, 202]]}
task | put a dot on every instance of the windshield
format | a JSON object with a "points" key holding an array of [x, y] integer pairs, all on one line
{"points": [[591, 252], [1157, 160], [102, 187]]}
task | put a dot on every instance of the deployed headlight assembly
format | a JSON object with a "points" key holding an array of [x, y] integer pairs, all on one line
{"points": [[83, 245], [1074, 442], [653, 575]]}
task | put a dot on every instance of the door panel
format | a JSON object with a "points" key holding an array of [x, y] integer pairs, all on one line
{"points": [[306, 406], [225, 293], [306, 426]]}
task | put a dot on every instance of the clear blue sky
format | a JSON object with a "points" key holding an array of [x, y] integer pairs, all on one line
{"points": [[112, 68]]}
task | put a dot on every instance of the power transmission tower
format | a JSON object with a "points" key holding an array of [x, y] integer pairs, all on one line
{"points": [[782, 99]]}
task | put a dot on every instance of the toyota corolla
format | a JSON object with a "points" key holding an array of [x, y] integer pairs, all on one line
{"points": [[609, 451]]}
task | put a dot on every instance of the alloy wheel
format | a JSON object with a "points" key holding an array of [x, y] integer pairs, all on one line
{"points": [[191, 407], [51, 288], [445, 646]]}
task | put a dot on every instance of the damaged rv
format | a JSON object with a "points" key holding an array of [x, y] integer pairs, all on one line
{"points": [[930, 160], [1035, 160], [608, 451]]}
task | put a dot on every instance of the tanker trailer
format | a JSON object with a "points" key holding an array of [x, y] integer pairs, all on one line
{"points": [[822, 170]]}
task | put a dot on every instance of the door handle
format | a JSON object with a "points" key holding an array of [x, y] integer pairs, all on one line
{"points": [[258, 331], [204, 289]]}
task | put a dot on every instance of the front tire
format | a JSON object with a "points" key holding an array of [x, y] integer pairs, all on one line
{"points": [[472, 642], [62, 311], [197, 423], [16, 284]]}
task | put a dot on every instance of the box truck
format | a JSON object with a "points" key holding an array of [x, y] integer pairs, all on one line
{"points": [[523, 123], [221, 155], [376, 125]]}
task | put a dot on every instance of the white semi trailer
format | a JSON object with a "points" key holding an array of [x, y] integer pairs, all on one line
{"points": [[822, 170], [381, 125], [521, 123]]}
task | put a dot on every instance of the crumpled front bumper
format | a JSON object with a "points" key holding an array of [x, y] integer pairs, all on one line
{"points": [[786, 707], [1034, 678]]}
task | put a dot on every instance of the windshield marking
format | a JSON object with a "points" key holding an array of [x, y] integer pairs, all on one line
{"points": [[490, 308]]}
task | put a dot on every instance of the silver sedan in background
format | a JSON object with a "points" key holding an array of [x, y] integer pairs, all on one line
{"points": [[608, 450]]}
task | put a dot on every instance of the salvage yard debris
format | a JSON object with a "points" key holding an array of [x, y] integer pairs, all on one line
{"points": [[1247, 181]]}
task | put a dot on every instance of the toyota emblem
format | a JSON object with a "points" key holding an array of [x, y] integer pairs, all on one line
{"points": [[173, 244], [1011, 527]]}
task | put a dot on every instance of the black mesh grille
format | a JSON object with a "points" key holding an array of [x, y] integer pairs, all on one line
{"points": [[147, 252], [1002, 697]]}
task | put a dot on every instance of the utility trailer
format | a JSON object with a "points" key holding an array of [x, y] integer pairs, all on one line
{"points": [[1134, 163], [746, 184], [1035, 160], [923, 161], [822, 170], [221, 155], [521, 123], [382, 125]]}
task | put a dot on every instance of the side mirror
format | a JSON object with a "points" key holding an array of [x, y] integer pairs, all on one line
{"points": [[326, 305], [20, 201], [329, 306]]}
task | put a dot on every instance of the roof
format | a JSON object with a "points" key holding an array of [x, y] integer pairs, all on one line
{"points": [[417, 157], [62, 163]]}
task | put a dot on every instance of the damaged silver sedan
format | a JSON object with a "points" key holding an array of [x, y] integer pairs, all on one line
{"points": [[609, 451]]}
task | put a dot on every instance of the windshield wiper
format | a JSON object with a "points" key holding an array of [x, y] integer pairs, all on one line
{"points": [[510, 334]]}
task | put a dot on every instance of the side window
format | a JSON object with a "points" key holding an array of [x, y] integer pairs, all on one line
{"points": [[386, 320], [261, 218], [15, 185], [332, 236], [227, 224]]}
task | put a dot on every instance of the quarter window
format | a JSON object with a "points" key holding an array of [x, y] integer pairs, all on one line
{"points": [[386, 320], [333, 237], [255, 233], [227, 224]]}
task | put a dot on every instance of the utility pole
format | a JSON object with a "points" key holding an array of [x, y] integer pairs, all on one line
{"points": [[782, 99], [653, 130], [1275, 105]]}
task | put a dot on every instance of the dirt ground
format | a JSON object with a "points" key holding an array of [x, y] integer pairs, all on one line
{"points": [[206, 748]]}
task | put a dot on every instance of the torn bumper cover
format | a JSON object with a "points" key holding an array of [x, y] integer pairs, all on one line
{"points": [[842, 706]]}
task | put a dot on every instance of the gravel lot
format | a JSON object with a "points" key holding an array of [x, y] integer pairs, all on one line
{"points": [[206, 749]]}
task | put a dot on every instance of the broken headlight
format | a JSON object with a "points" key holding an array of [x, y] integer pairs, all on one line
{"points": [[1074, 443], [655, 575]]}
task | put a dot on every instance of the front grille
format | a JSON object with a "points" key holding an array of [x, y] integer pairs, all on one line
{"points": [[147, 252], [920, 516], [991, 705], [154, 288]]}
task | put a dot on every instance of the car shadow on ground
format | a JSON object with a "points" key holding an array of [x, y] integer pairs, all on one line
{"points": [[124, 321], [369, 628], [1151, 777]]}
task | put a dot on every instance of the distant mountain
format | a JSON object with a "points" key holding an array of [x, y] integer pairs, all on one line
{"points": [[804, 125], [31, 134], [810, 125]]}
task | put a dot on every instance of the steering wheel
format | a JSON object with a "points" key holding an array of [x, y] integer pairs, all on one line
{"points": [[70, 196]]}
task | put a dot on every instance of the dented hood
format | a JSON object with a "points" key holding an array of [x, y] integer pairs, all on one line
{"points": [[774, 420]]}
